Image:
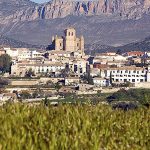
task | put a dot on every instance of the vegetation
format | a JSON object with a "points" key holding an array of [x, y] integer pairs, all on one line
{"points": [[5, 63], [141, 96], [87, 77], [73, 127], [25, 94], [3, 82], [29, 73]]}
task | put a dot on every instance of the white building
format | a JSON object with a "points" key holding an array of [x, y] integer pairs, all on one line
{"points": [[101, 82], [22, 53], [78, 66], [20, 68], [130, 74], [110, 57], [13, 52]]}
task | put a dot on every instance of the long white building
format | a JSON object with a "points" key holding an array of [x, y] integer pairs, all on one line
{"points": [[130, 74], [20, 69]]}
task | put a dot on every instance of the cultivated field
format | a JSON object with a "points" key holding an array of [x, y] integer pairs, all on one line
{"points": [[73, 127]]}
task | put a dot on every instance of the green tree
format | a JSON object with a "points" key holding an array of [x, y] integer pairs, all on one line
{"points": [[25, 95], [111, 78], [88, 78], [45, 101], [5, 63], [30, 73]]}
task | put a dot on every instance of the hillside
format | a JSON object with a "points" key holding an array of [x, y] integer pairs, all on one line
{"points": [[143, 45], [5, 41]]}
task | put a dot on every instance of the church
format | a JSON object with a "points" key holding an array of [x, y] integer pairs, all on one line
{"points": [[69, 42]]}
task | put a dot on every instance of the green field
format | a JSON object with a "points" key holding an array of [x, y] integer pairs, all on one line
{"points": [[73, 127]]}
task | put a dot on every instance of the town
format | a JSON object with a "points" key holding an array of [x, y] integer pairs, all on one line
{"points": [[33, 74]]}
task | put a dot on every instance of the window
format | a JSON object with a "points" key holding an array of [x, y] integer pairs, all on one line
{"points": [[133, 80], [80, 70], [125, 80], [141, 80], [75, 68], [72, 33]]}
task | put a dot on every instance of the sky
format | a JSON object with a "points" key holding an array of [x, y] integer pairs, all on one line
{"points": [[40, 1]]}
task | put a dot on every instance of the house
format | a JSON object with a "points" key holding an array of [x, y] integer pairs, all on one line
{"points": [[101, 82], [130, 74], [134, 54], [78, 66], [20, 69], [12, 52], [94, 72], [100, 66]]}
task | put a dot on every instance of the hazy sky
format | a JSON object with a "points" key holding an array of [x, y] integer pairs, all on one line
{"points": [[40, 1]]}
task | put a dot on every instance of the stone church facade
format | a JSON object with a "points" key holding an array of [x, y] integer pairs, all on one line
{"points": [[69, 42]]}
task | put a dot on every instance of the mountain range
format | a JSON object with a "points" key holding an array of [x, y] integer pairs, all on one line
{"points": [[107, 23]]}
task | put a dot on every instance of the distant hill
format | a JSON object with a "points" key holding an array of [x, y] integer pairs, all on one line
{"points": [[5, 41], [143, 45]]}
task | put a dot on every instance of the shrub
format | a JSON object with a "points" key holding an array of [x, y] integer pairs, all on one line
{"points": [[73, 127]]}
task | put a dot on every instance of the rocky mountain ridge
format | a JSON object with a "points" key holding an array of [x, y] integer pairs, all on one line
{"points": [[25, 10], [101, 22]]}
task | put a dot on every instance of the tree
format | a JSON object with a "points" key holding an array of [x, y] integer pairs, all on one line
{"points": [[30, 73], [3, 82], [25, 95], [35, 94], [5, 63], [111, 81], [119, 52], [88, 78], [45, 101]]}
